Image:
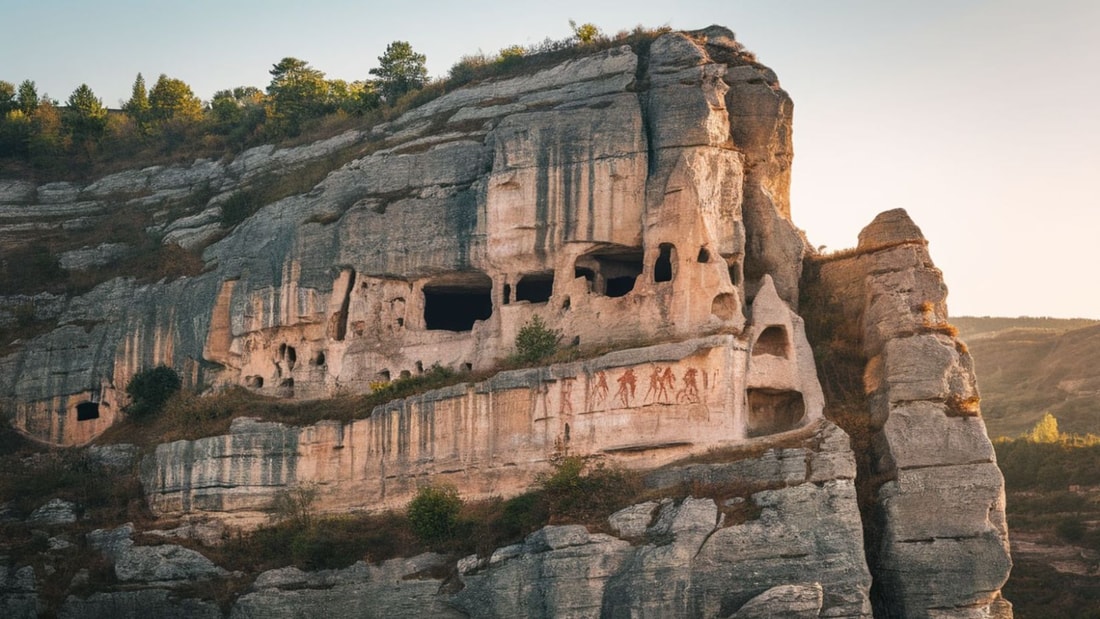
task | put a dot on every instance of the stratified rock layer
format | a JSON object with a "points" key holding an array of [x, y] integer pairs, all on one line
{"points": [[937, 538]]}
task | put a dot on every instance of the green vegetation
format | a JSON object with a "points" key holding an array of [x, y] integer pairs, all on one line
{"points": [[433, 514], [150, 389], [1052, 481], [167, 122], [535, 341]]}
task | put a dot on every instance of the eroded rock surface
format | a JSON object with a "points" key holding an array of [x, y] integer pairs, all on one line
{"points": [[938, 543]]}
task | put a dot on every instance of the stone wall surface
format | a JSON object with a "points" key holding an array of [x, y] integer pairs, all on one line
{"points": [[633, 200], [937, 541]]}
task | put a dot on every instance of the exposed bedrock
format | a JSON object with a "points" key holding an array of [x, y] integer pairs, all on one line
{"points": [[934, 516]]}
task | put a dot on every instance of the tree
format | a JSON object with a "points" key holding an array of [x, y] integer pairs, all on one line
{"points": [[86, 117], [137, 107], [150, 388], [7, 98], [433, 514], [27, 98], [172, 98], [585, 33], [1044, 431], [535, 341], [401, 70], [297, 92]]}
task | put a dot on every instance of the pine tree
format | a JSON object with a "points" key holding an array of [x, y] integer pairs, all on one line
{"points": [[27, 98], [138, 105], [86, 118], [401, 70]]}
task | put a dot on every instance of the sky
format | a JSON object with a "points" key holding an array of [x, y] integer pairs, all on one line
{"points": [[980, 118]]}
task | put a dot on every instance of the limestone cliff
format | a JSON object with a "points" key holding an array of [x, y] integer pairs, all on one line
{"points": [[636, 200]]}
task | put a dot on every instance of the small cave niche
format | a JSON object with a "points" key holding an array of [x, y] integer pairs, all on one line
{"points": [[286, 388], [419, 367], [288, 354], [589, 276], [318, 359], [663, 268], [405, 374], [254, 382], [724, 306], [772, 412], [507, 293], [773, 341], [468, 367], [704, 256], [614, 269], [566, 433], [455, 302], [566, 304], [735, 273], [383, 376], [535, 287], [86, 411]]}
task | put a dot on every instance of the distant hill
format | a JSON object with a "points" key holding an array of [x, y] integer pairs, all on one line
{"points": [[1028, 366]]}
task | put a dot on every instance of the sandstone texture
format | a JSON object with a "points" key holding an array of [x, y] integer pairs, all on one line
{"points": [[937, 537], [636, 201]]}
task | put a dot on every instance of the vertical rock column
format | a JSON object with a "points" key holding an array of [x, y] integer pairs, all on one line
{"points": [[937, 543]]}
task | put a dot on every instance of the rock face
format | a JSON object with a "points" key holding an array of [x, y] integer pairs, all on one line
{"points": [[633, 201], [606, 186], [638, 408], [937, 539]]}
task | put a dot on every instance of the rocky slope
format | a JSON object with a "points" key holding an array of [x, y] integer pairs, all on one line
{"points": [[635, 200]]}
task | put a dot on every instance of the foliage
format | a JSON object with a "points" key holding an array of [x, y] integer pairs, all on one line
{"points": [[137, 106], [7, 97], [433, 513], [27, 98], [297, 91], [173, 99], [150, 389], [585, 33], [295, 505], [578, 492], [535, 341], [86, 118], [400, 70], [1045, 430]]}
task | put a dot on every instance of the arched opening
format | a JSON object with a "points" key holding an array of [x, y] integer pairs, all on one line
{"points": [[662, 269], [535, 287], [773, 341], [614, 269], [319, 358], [704, 256], [771, 412], [566, 303], [455, 302], [419, 367], [507, 293], [735, 273], [254, 382], [724, 306], [87, 410]]}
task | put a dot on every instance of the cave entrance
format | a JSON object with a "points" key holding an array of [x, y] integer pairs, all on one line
{"points": [[663, 268], [86, 411], [535, 287], [773, 341], [455, 302], [771, 411], [614, 269]]}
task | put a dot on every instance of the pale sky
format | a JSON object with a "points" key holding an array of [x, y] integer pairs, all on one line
{"points": [[981, 118]]}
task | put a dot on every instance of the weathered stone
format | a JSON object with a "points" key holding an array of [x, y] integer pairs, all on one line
{"points": [[139, 604], [788, 601], [90, 257], [18, 593], [889, 228], [55, 511], [165, 563], [631, 522], [114, 456]]}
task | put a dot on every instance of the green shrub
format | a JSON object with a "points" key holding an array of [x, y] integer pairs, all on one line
{"points": [[1071, 529], [295, 505], [149, 389], [576, 492], [535, 341], [433, 513]]}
